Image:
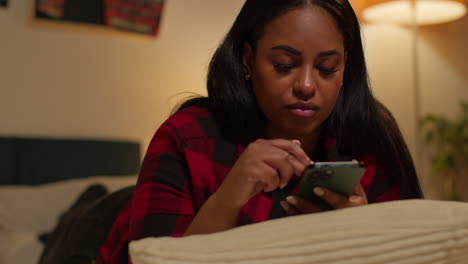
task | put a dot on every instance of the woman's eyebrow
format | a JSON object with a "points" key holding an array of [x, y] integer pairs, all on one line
{"points": [[287, 49], [298, 53], [329, 53]]}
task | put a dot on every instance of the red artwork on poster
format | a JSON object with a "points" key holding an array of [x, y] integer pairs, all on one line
{"points": [[140, 16], [134, 15]]}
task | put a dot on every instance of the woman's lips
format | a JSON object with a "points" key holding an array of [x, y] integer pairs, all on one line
{"points": [[303, 109], [303, 113]]}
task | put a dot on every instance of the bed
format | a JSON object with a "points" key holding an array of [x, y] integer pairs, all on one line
{"points": [[399, 232], [41, 178]]}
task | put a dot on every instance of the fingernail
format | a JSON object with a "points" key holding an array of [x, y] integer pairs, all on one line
{"points": [[283, 185], [285, 205], [291, 199], [354, 198], [297, 142], [319, 191]]}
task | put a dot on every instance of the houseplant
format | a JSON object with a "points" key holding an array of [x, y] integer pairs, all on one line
{"points": [[447, 140]]}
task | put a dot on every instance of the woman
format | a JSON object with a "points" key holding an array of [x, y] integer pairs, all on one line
{"points": [[287, 86]]}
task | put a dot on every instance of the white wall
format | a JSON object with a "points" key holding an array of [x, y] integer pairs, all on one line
{"points": [[443, 78], [68, 81], [388, 54], [444, 82]]}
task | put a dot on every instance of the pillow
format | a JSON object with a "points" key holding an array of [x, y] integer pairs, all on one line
{"points": [[28, 211], [409, 231]]}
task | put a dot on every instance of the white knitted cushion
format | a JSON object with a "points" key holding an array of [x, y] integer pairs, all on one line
{"points": [[403, 232]]}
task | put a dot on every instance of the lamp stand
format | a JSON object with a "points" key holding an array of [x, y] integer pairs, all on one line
{"points": [[416, 87]]}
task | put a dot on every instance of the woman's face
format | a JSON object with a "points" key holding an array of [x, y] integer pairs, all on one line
{"points": [[297, 70]]}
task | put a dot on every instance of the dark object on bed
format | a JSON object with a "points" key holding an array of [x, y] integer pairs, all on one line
{"points": [[35, 161], [82, 230]]}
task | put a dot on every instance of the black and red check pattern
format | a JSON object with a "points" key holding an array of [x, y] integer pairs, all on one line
{"points": [[186, 162]]}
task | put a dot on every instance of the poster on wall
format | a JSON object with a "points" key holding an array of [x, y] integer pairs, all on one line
{"points": [[3, 3], [83, 11], [134, 15], [140, 16]]}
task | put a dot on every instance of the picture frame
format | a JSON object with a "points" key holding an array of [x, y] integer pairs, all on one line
{"points": [[135, 16]]}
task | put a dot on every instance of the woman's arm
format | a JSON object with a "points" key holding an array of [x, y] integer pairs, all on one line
{"points": [[168, 190], [162, 204], [214, 216], [265, 165]]}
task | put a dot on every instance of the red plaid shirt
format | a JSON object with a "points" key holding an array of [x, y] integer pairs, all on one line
{"points": [[186, 162]]}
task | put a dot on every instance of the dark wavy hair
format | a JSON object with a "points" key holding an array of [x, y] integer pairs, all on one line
{"points": [[359, 122]]}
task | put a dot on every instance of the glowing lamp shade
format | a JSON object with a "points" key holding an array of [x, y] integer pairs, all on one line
{"points": [[426, 12]]}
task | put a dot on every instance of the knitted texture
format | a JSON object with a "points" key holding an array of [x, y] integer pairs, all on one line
{"points": [[403, 232]]}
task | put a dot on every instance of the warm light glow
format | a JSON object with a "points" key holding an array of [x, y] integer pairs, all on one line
{"points": [[427, 12]]}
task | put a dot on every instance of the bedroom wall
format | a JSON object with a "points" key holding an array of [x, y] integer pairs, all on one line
{"points": [[69, 81], [443, 77], [444, 71], [72, 81]]}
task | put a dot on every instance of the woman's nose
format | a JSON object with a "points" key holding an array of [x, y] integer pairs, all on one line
{"points": [[304, 87]]}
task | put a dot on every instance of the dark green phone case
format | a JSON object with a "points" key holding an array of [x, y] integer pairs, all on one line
{"points": [[340, 177]]}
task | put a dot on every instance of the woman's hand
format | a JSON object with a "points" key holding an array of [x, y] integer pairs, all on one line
{"points": [[265, 165], [295, 205]]}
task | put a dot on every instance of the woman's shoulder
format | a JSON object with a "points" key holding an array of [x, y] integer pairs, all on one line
{"points": [[188, 115], [193, 122]]}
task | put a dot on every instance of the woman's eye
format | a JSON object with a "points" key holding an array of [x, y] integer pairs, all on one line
{"points": [[283, 67], [326, 70]]}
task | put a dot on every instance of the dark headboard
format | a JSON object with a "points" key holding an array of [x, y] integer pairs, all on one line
{"points": [[35, 161]]}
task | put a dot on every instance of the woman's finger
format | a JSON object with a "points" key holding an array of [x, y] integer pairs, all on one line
{"points": [[358, 190], [267, 175], [332, 198], [302, 205], [358, 197], [339, 201], [289, 208], [283, 162], [261, 166], [285, 169], [294, 148], [297, 166]]}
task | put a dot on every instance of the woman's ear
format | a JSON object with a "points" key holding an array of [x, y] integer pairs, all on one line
{"points": [[247, 60]]}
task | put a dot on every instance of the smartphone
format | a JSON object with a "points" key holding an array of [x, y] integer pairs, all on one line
{"points": [[339, 176]]}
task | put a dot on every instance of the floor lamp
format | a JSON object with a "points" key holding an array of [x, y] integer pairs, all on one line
{"points": [[412, 13]]}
